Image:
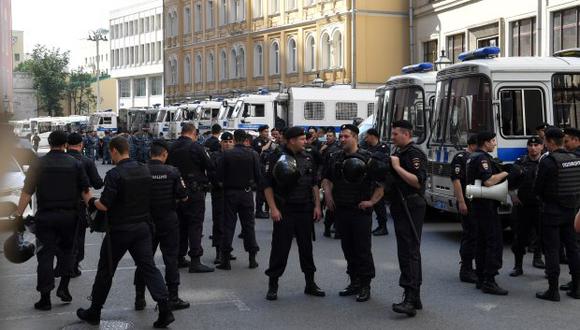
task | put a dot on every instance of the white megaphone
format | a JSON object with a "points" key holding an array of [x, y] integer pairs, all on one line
{"points": [[499, 192]]}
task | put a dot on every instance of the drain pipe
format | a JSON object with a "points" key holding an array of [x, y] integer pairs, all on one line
{"points": [[353, 44], [411, 34], [539, 20]]}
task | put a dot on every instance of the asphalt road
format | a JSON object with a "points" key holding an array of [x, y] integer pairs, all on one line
{"points": [[235, 299]]}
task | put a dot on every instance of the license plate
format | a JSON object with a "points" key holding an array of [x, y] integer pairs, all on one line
{"points": [[439, 205]]}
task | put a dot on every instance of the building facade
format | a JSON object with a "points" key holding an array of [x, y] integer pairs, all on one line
{"points": [[136, 54], [520, 28], [25, 103], [89, 56], [221, 47], [6, 90], [17, 48]]}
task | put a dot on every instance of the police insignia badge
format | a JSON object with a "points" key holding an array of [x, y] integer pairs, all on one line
{"points": [[457, 169], [416, 163], [485, 165]]}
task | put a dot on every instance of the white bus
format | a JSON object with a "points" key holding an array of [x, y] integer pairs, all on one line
{"points": [[208, 113], [42, 126], [21, 128], [103, 121], [510, 96]]}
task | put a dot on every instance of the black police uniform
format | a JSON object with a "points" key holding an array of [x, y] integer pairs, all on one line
{"points": [[329, 215], [217, 203], [380, 208], [469, 226], [192, 161], [212, 144], [296, 204], [239, 173], [488, 256], [414, 161], [261, 205], [167, 187], [353, 224], [558, 187], [127, 196], [58, 180]]}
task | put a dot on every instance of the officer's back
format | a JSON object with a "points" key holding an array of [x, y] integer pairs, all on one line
{"points": [[241, 168], [189, 157], [167, 186], [74, 149]]}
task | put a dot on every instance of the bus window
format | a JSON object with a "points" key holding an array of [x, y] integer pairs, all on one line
{"points": [[384, 117], [566, 94], [346, 110], [522, 110], [441, 102], [107, 120], [408, 105]]}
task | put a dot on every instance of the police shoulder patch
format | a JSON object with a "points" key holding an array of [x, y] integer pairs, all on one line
{"points": [[457, 169], [485, 164], [416, 163]]}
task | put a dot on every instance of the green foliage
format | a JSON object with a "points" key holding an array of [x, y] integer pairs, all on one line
{"points": [[79, 92], [48, 68], [25, 66]]}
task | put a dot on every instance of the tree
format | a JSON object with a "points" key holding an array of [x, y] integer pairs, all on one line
{"points": [[25, 66], [48, 68], [79, 92]]}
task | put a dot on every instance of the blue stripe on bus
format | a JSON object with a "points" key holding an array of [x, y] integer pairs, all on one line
{"points": [[510, 154]]}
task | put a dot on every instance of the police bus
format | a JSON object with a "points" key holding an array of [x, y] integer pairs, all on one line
{"points": [[208, 113], [102, 122], [510, 96]]}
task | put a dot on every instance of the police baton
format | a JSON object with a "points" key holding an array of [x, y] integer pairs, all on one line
{"points": [[408, 213]]}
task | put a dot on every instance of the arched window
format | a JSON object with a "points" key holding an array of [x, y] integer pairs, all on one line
{"points": [[174, 72], [175, 24], [234, 64], [241, 63], [223, 65], [187, 20], [337, 50], [198, 68], [187, 71], [169, 73], [310, 56], [210, 67], [292, 61], [275, 58], [258, 61], [326, 51], [197, 18]]}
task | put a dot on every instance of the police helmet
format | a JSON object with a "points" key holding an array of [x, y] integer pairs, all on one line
{"points": [[379, 166], [285, 170], [354, 170], [17, 250]]}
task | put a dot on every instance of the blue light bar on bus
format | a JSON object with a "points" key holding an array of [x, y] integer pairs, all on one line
{"points": [[484, 52], [420, 67]]}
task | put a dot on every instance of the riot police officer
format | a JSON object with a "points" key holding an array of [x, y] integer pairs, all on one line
{"points": [[558, 187], [167, 188], [106, 153], [469, 228], [488, 257], [527, 206], [291, 190], [351, 194], [239, 173], [193, 162], [74, 147], [372, 144], [89, 145], [260, 144], [212, 144], [127, 200], [57, 214], [327, 150]]}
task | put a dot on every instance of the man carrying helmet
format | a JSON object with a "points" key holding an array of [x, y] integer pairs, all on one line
{"points": [[291, 191], [352, 193]]}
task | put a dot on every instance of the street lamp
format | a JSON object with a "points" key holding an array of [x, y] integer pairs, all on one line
{"points": [[442, 62], [98, 35]]}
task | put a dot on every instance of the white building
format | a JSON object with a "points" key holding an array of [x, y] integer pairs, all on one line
{"points": [[518, 27], [136, 53], [88, 53]]}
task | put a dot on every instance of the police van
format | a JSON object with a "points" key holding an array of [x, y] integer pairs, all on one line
{"points": [[409, 96], [208, 113], [510, 96], [103, 121]]}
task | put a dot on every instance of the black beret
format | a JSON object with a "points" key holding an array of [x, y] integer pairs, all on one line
{"points": [[227, 136], [373, 132], [74, 139], [350, 127], [554, 133], [403, 124], [535, 140], [293, 132], [240, 134], [263, 127], [484, 136], [472, 139], [216, 128], [57, 138], [572, 132], [542, 126]]}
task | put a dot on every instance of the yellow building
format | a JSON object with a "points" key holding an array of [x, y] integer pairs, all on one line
{"points": [[219, 47]]}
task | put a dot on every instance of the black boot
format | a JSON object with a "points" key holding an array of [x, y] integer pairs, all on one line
{"points": [[575, 289], [217, 256], [381, 230], [165, 315], [262, 215], [407, 306], [364, 294], [62, 291], [552, 294], [538, 262], [272, 289], [44, 303], [197, 267], [224, 263], [140, 302], [91, 316], [566, 287], [489, 286], [518, 270], [326, 230], [311, 288], [253, 262], [183, 263], [76, 271], [466, 272], [175, 302], [352, 289]]}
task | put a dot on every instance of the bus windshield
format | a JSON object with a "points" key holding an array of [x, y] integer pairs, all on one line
{"points": [[161, 116], [566, 89], [405, 103], [94, 120]]}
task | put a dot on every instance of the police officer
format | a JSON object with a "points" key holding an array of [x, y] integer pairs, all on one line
{"points": [[488, 257], [291, 190], [127, 200], [212, 144], [239, 173], [193, 162], [167, 187], [558, 187], [469, 232], [260, 144], [351, 195], [372, 144], [57, 214], [74, 147], [327, 150], [89, 145], [527, 206], [106, 153]]}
